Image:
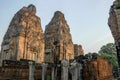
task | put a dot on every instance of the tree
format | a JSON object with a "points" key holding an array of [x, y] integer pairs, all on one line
{"points": [[111, 58], [108, 51], [91, 55]]}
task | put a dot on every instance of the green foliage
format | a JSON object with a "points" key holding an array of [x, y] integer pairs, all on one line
{"points": [[91, 55], [111, 58], [48, 77], [108, 49], [117, 6]]}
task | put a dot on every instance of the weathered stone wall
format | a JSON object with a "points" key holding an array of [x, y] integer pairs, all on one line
{"points": [[18, 73], [24, 37], [97, 69], [58, 40], [114, 20], [78, 50], [20, 70]]}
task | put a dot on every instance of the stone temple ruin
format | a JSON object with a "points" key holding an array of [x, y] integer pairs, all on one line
{"points": [[114, 24], [24, 37], [58, 40], [29, 54]]}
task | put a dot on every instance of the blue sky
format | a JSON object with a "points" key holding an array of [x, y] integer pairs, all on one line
{"points": [[87, 19]]}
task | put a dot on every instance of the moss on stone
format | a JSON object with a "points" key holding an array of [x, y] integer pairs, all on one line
{"points": [[117, 6]]}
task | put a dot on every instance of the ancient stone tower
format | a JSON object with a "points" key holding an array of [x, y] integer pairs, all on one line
{"points": [[58, 40], [114, 20], [24, 37], [78, 50], [114, 24]]}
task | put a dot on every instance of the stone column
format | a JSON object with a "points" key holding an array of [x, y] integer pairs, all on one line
{"points": [[1, 60], [44, 68], [64, 74], [74, 70], [53, 73], [79, 71], [31, 70]]}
